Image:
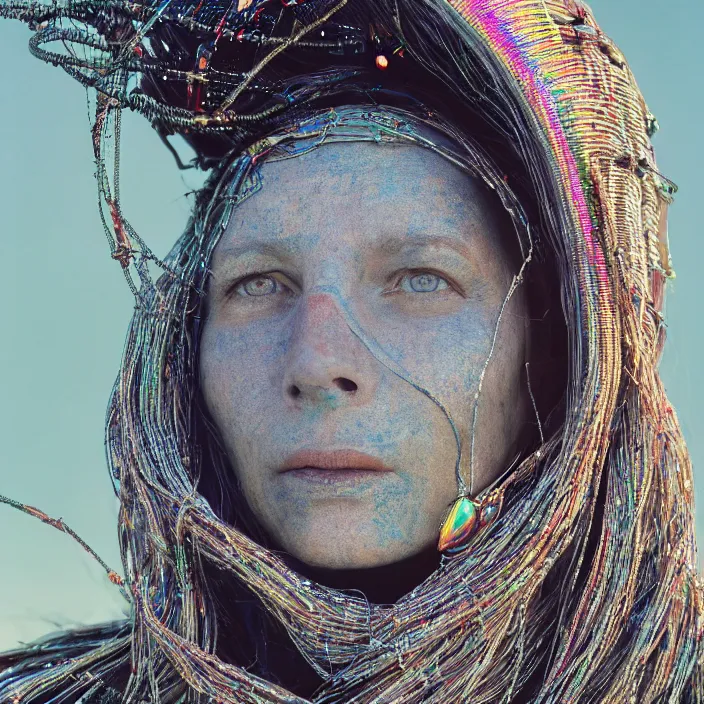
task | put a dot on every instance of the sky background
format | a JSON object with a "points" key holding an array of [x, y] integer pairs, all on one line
{"points": [[66, 305]]}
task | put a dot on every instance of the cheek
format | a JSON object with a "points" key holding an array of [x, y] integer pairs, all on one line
{"points": [[445, 356], [240, 369], [240, 375], [231, 354]]}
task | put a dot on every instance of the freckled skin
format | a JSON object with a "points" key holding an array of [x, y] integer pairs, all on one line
{"points": [[348, 228]]}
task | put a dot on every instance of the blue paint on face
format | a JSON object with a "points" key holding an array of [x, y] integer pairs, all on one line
{"points": [[316, 339]]}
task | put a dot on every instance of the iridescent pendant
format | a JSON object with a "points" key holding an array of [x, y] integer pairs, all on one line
{"points": [[459, 525], [464, 519]]}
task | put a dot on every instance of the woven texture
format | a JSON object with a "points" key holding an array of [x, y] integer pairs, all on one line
{"points": [[622, 621]]}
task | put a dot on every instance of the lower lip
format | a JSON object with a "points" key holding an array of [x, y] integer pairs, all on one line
{"points": [[337, 477]]}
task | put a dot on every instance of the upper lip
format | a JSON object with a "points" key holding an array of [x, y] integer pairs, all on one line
{"points": [[334, 459]]}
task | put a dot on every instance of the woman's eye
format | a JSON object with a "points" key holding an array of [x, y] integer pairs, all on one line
{"points": [[423, 282], [258, 285]]}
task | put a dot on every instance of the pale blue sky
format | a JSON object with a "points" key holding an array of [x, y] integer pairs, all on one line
{"points": [[67, 307]]}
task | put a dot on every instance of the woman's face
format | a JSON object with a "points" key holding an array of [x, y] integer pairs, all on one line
{"points": [[345, 463]]}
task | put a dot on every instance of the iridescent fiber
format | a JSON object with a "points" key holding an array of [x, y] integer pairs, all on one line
{"points": [[584, 587]]}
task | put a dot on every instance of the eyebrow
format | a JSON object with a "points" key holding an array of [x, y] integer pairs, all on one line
{"points": [[396, 245], [388, 246]]}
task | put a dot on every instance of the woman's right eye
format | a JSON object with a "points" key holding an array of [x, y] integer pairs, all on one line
{"points": [[258, 285]]}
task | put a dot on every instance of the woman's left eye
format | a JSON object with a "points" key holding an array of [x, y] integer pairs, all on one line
{"points": [[422, 282]]}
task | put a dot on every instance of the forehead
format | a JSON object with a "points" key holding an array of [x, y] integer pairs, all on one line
{"points": [[365, 192]]}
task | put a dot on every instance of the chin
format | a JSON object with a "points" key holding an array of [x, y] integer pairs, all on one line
{"points": [[344, 554], [334, 560]]}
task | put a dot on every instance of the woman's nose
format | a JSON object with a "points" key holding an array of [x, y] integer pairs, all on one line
{"points": [[326, 361]]}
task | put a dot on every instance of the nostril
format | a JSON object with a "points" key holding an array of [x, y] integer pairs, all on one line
{"points": [[294, 391], [345, 384]]}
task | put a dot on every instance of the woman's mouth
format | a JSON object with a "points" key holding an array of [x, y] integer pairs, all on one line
{"points": [[334, 467], [346, 459], [350, 476]]}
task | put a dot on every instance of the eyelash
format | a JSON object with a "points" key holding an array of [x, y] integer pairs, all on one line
{"points": [[406, 273]]}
